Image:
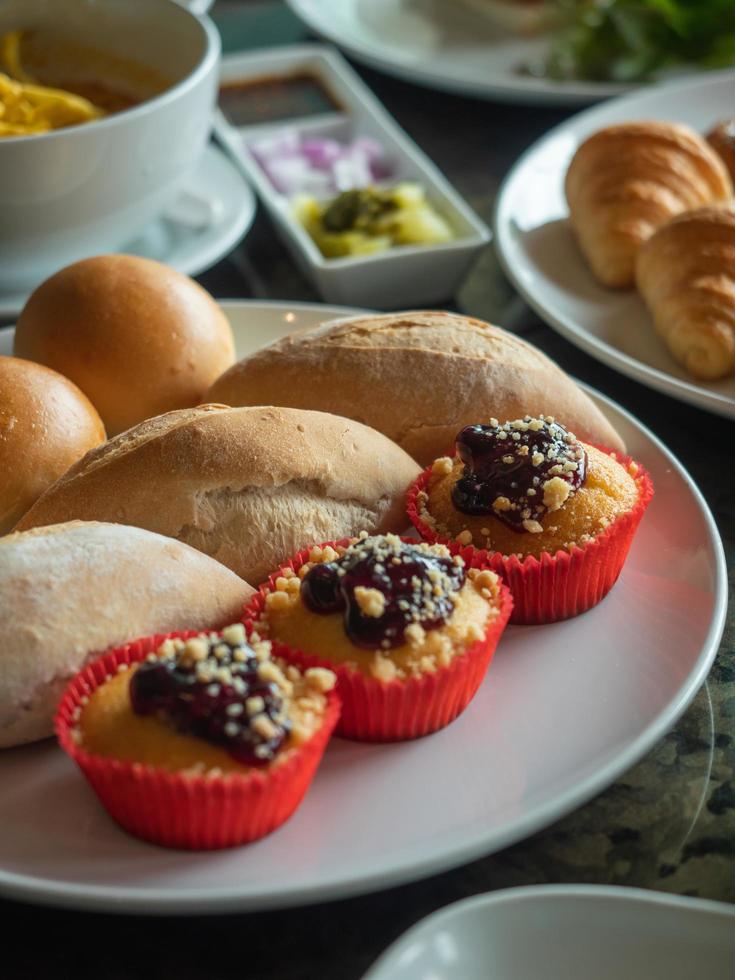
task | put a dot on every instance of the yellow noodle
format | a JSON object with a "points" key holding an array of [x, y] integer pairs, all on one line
{"points": [[27, 107]]}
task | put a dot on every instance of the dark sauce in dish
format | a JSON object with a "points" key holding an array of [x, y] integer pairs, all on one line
{"points": [[275, 97]]}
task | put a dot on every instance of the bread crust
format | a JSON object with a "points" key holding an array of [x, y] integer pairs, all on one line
{"points": [[418, 377], [248, 486], [73, 590], [46, 425]]}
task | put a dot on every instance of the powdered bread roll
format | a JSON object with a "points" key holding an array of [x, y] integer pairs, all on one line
{"points": [[73, 590], [249, 486], [138, 337], [46, 424], [416, 377]]}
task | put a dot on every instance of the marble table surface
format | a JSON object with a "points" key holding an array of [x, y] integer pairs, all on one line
{"points": [[667, 824]]}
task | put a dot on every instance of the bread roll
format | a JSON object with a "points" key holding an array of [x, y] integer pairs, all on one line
{"points": [[249, 486], [46, 424], [416, 377], [73, 590], [625, 181], [137, 337], [686, 275]]}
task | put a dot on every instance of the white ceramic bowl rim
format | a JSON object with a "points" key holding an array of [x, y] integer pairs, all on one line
{"points": [[211, 54], [385, 966]]}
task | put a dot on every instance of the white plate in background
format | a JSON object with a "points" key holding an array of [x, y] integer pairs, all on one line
{"points": [[197, 7], [567, 932], [564, 710], [442, 45], [210, 216], [537, 250]]}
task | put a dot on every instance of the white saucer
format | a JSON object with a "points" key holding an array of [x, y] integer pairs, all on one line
{"points": [[567, 932], [564, 710], [209, 217]]}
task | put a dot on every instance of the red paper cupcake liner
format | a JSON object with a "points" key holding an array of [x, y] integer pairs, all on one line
{"points": [[388, 711], [553, 587], [187, 811]]}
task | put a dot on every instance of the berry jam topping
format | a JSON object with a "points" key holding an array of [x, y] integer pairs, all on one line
{"points": [[217, 688], [384, 585], [518, 471]]}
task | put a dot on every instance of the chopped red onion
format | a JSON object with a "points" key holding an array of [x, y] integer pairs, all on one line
{"points": [[319, 165]]}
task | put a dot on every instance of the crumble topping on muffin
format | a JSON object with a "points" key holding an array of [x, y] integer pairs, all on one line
{"points": [[517, 471], [383, 585], [387, 607], [570, 515], [216, 687]]}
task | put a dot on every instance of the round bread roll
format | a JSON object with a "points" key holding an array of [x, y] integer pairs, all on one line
{"points": [[46, 424], [249, 486], [137, 337], [416, 377], [73, 590]]}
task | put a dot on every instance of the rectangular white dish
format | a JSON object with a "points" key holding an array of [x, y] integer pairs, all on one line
{"points": [[405, 275]]}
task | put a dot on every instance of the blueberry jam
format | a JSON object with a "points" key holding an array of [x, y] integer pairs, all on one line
{"points": [[218, 690], [518, 471], [384, 585]]}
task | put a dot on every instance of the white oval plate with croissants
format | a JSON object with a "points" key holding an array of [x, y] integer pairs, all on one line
{"points": [[539, 254], [564, 710]]}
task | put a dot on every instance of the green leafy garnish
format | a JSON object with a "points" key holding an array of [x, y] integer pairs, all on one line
{"points": [[631, 40]]}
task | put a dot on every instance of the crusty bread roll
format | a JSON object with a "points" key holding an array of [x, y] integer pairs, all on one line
{"points": [[137, 337], [73, 590], [625, 181], [249, 486], [417, 377], [686, 275], [46, 424]]}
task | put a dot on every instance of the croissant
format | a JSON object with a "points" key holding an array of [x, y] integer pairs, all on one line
{"points": [[686, 275], [722, 140], [627, 180]]}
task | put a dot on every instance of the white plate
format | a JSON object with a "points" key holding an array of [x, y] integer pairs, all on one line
{"points": [[567, 932], [439, 44], [197, 7], [209, 217], [564, 710], [537, 250]]}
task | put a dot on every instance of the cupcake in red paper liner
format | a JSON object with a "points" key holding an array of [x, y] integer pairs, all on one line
{"points": [[554, 516], [408, 628], [198, 741]]}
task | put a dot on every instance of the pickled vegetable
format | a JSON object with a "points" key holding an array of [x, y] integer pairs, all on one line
{"points": [[372, 219]]}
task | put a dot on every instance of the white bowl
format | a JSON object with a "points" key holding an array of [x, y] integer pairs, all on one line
{"points": [[567, 932], [92, 188], [409, 275]]}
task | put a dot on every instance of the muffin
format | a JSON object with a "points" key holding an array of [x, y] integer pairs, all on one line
{"points": [[198, 740], [554, 515], [408, 628]]}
